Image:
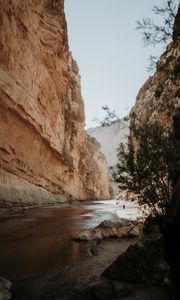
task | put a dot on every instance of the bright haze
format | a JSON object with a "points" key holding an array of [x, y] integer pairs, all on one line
{"points": [[109, 51]]}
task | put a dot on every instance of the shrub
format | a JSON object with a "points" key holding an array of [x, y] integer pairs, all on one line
{"points": [[148, 165]]}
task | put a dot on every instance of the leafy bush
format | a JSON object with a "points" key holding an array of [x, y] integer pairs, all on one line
{"points": [[148, 164]]}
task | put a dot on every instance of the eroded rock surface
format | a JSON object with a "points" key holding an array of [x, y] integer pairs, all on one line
{"points": [[45, 155]]}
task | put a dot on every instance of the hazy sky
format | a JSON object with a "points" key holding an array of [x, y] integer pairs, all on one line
{"points": [[109, 52]]}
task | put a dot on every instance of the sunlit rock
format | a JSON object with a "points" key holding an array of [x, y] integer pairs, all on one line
{"points": [[45, 154], [112, 229]]}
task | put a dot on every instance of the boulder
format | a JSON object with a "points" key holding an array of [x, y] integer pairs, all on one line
{"points": [[140, 264], [112, 229]]}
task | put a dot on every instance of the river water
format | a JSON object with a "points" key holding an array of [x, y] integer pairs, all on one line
{"points": [[42, 241]]}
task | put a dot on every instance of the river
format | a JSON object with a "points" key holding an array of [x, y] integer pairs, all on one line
{"points": [[41, 241]]}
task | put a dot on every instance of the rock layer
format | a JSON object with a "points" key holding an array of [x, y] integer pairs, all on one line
{"points": [[44, 151]]}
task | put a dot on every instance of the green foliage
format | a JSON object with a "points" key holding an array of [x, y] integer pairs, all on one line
{"points": [[153, 33], [148, 165], [109, 118]]}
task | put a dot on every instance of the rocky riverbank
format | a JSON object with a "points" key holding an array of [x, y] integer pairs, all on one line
{"points": [[115, 228], [120, 269], [74, 282], [117, 268]]}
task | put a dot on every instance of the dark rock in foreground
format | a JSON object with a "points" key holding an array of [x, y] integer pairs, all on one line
{"points": [[140, 264], [5, 286]]}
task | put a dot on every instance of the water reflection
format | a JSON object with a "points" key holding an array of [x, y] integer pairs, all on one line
{"points": [[42, 241]]}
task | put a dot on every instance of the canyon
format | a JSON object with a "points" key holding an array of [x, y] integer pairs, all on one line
{"points": [[45, 155]]}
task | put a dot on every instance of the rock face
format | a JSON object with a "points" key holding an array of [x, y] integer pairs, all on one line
{"points": [[45, 155], [110, 137], [158, 96]]}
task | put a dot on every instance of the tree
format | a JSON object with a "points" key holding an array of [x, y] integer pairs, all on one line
{"points": [[148, 163], [153, 33], [109, 118]]}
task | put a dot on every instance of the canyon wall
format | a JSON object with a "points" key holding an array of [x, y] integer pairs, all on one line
{"points": [[45, 154], [110, 138]]}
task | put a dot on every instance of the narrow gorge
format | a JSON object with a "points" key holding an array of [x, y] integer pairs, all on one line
{"points": [[63, 235]]}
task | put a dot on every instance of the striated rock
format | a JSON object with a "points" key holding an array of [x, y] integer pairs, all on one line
{"points": [[93, 169], [45, 155], [110, 138]]}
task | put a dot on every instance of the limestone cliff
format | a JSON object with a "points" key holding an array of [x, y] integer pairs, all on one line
{"points": [[158, 96], [44, 151], [110, 138]]}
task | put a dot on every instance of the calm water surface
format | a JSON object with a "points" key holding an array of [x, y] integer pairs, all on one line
{"points": [[42, 241]]}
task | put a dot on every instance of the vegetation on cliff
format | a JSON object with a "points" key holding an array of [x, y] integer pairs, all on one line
{"points": [[155, 33], [150, 161], [148, 164]]}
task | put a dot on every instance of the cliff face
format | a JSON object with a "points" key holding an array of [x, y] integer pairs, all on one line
{"points": [[110, 138], [42, 137], [158, 96]]}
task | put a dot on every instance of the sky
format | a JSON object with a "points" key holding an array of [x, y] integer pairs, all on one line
{"points": [[109, 51]]}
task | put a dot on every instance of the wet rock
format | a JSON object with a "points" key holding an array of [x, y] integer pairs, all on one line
{"points": [[86, 235], [5, 286], [111, 223]]}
